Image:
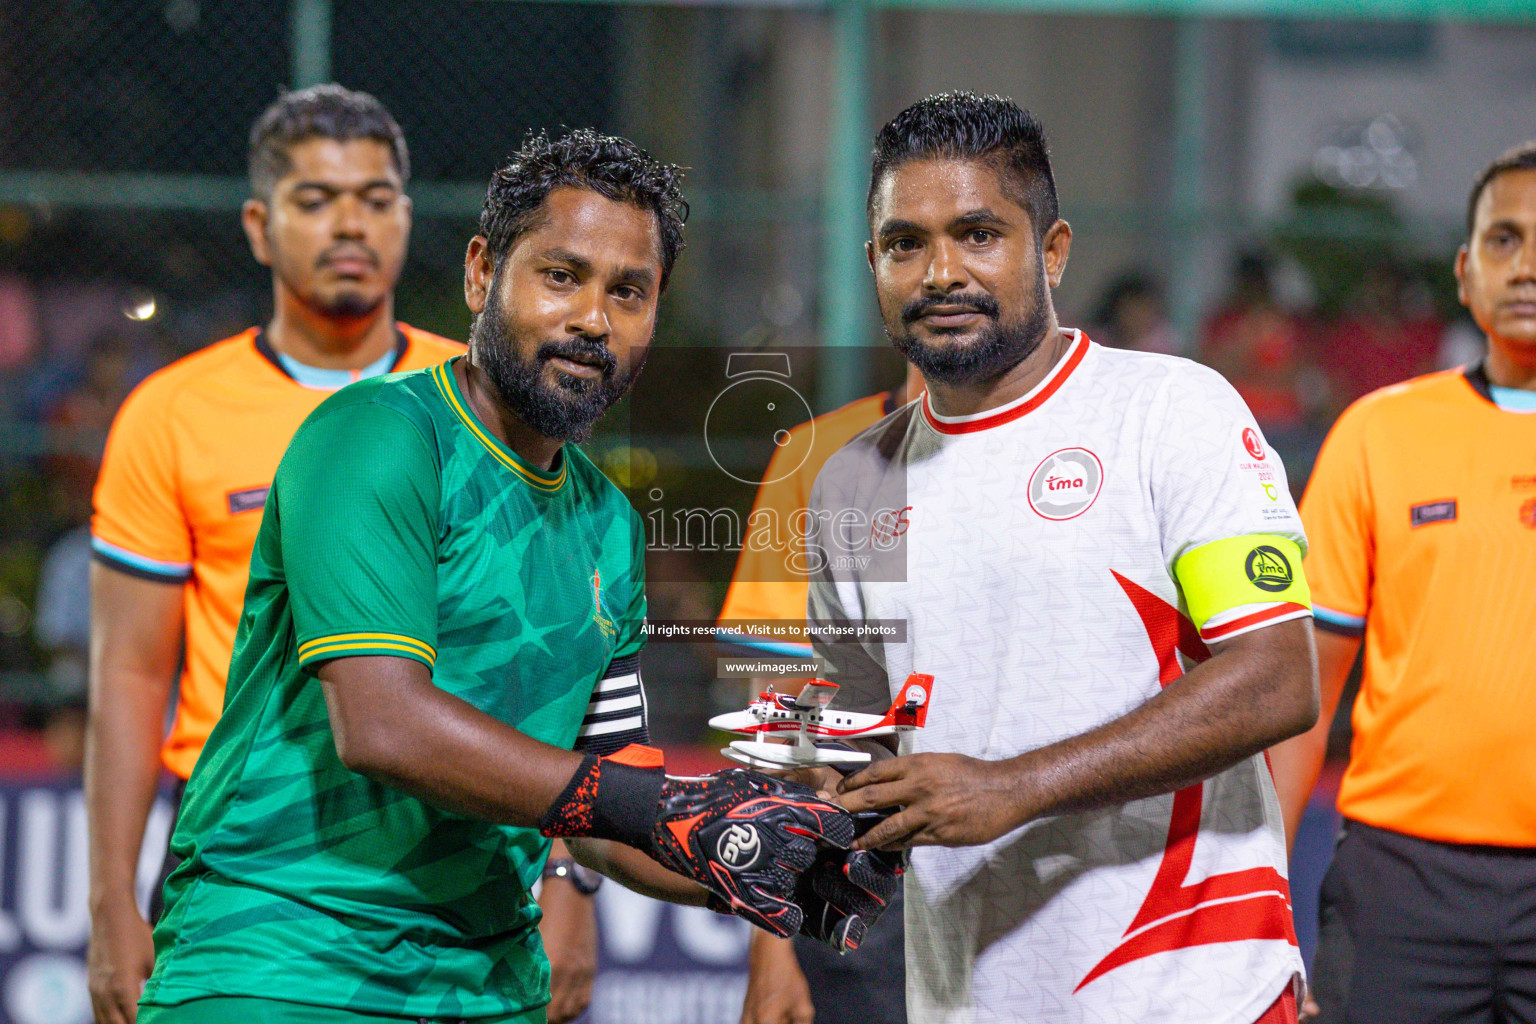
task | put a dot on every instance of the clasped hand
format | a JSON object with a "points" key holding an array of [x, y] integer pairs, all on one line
{"points": [[943, 799]]}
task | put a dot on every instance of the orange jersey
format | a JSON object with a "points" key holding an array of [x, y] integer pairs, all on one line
{"points": [[1421, 513], [764, 588], [182, 485]]}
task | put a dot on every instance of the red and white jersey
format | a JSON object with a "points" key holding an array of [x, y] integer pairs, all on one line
{"points": [[1029, 552]]}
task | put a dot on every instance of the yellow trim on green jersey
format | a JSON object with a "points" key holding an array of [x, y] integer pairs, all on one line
{"points": [[355, 642], [1258, 568], [442, 375]]}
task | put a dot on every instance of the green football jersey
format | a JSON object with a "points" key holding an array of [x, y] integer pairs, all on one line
{"points": [[396, 525]]}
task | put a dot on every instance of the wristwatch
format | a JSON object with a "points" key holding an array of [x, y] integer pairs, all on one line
{"points": [[585, 880]]}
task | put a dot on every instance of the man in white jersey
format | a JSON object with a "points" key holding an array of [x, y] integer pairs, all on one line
{"points": [[1097, 558]]}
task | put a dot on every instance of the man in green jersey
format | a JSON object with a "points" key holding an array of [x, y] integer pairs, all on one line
{"points": [[437, 661]]}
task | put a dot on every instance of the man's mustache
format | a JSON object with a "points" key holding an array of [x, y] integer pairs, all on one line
{"points": [[347, 251], [986, 305], [594, 353]]}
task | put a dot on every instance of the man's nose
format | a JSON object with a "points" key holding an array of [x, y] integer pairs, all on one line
{"points": [[590, 317], [946, 269], [348, 222]]}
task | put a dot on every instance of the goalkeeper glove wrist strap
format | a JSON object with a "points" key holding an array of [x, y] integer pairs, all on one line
{"points": [[615, 797]]}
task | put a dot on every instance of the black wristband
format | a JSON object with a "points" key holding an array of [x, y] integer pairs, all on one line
{"points": [[616, 797]]}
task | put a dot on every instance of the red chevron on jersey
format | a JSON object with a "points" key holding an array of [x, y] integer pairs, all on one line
{"points": [[1231, 907]]}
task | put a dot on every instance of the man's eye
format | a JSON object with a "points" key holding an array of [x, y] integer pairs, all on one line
{"points": [[627, 293], [980, 236], [560, 277], [904, 245], [309, 205]]}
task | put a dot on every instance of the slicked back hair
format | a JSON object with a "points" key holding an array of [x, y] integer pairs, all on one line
{"points": [[319, 112], [611, 166], [1520, 158], [992, 130]]}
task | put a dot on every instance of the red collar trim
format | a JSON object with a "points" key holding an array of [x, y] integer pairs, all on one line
{"points": [[1019, 407]]}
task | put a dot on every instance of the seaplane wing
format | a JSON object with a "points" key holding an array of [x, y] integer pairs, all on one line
{"points": [[818, 693]]}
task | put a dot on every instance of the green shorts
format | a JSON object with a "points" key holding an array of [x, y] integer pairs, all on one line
{"points": [[248, 1010]]}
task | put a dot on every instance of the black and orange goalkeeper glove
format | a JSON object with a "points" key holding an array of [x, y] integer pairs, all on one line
{"points": [[742, 835], [846, 891]]}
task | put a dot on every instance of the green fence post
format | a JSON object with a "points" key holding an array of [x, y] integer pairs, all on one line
{"points": [[845, 287], [309, 38], [1187, 204]]}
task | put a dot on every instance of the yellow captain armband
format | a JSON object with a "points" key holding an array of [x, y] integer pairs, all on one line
{"points": [[1232, 586]]}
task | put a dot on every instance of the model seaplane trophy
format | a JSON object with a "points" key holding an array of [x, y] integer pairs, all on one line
{"points": [[805, 718]]}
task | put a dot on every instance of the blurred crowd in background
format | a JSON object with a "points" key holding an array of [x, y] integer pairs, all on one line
{"points": [[1299, 340]]}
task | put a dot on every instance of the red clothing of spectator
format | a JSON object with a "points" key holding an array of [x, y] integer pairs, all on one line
{"points": [[1258, 348]]}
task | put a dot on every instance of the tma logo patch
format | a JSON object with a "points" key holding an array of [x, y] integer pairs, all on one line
{"points": [[1066, 483], [1269, 569]]}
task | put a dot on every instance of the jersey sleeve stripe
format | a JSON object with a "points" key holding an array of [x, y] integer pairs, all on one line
{"points": [[607, 728], [612, 742], [1338, 622], [374, 647], [609, 696], [622, 667], [1275, 613], [392, 638], [612, 686], [136, 564], [629, 704], [788, 650]]}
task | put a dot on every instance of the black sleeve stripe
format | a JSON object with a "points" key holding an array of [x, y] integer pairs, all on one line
{"points": [[598, 696], [117, 565], [614, 716], [613, 742], [1337, 627], [623, 666]]}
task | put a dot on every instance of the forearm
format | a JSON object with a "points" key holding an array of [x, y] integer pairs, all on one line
{"points": [[392, 724], [122, 772], [136, 635], [1232, 706], [1297, 762], [634, 870]]}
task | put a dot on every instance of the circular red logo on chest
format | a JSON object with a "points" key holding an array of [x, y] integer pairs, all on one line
{"points": [[1252, 443]]}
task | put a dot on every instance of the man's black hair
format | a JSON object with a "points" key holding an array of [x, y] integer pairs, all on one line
{"points": [[319, 112], [964, 126], [1520, 158], [606, 164]]}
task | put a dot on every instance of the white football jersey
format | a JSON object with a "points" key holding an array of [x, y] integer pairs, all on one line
{"points": [[1029, 552]]}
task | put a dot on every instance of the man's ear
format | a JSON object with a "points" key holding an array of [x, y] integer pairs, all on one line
{"points": [[479, 269], [869, 255], [253, 218], [1459, 268], [1057, 246]]}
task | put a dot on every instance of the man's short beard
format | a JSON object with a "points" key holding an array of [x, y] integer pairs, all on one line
{"points": [[346, 305], [997, 347], [563, 411], [349, 306]]}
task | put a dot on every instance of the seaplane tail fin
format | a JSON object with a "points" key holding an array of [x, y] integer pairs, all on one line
{"points": [[910, 709]]}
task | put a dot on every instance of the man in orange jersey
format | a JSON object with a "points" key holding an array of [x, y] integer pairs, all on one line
{"points": [[1421, 513], [187, 467], [790, 981]]}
